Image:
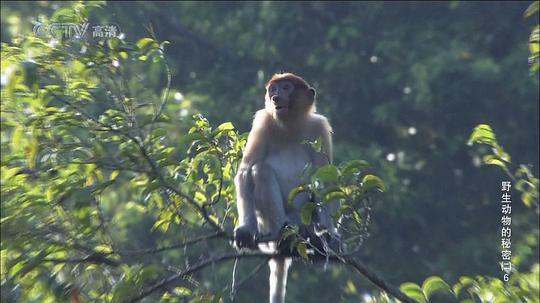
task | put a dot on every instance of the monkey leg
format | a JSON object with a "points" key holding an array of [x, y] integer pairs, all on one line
{"points": [[269, 203], [278, 278]]}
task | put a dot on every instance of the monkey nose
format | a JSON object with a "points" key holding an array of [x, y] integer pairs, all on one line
{"points": [[274, 98]]}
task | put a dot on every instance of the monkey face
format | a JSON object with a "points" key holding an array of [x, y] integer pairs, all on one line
{"points": [[289, 98], [279, 99]]}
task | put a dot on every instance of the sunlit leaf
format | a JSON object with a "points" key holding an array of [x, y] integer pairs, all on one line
{"points": [[182, 291], [482, 133], [493, 160], [146, 43], [413, 291], [334, 194], [103, 248], [296, 191], [371, 182], [434, 285], [532, 9]]}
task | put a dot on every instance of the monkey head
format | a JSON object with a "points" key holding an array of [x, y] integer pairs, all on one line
{"points": [[289, 97]]}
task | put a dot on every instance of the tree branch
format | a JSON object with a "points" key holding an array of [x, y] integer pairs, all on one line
{"points": [[357, 265], [377, 280], [174, 246], [191, 269], [97, 258]]}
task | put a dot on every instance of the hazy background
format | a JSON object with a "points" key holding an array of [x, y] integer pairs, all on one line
{"points": [[403, 85]]}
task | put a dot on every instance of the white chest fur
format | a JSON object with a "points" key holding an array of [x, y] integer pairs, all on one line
{"points": [[289, 164]]}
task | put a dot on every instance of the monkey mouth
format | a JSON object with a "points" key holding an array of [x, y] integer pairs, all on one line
{"points": [[279, 107]]}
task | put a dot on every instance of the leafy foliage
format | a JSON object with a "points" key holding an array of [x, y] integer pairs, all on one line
{"points": [[522, 287], [534, 38], [525, 182], [113, 181], [93, 156]]}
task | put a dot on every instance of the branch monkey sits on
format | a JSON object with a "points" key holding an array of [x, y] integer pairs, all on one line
{"points": [[273, 164]]}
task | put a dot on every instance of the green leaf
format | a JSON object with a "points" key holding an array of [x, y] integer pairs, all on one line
{"points": [[114, 174], [159, 132], [190, 138], [501, 154], [433, 285], [493, 160], [223, 128], [413, 291], [307, 212], [354, 166], [164, 221], [317, 145], [182, 291], [326, 173], [371, 182], [16, 138], [66, 14], [334, 194], [155, 184], [482, 133], [464, 283], [200, 197], [103, 248], [289, 230], [295, 191], [99, 188], [302, 250], [527, 199], [114, 42], [532, 9], [30, 73], [8, 173], [32, 153], [146, 43]]}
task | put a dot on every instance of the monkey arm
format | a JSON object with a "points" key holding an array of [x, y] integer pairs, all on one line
{"points": [[325, 214], [244, 197], [245, 186], [323, 130], [246, 231]]}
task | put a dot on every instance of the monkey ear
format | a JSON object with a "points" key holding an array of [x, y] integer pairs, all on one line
{"points": [[312, 90]]}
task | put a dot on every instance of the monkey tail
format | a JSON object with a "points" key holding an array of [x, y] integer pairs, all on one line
{"points": [[278, 278]]}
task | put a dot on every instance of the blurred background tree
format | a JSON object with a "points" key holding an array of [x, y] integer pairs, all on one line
{"points": [[402, 83]]}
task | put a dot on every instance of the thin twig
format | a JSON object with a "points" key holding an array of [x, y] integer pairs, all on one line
{"points": [[165, 98], [236, 286]]}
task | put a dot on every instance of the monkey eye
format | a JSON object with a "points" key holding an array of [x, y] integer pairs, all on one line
{"points": [[286, 87]]}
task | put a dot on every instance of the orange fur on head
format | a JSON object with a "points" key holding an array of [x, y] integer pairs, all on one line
{"points": [[297, 80]]}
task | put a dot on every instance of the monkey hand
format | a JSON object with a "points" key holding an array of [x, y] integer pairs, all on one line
{"points": [[244, 238]]}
